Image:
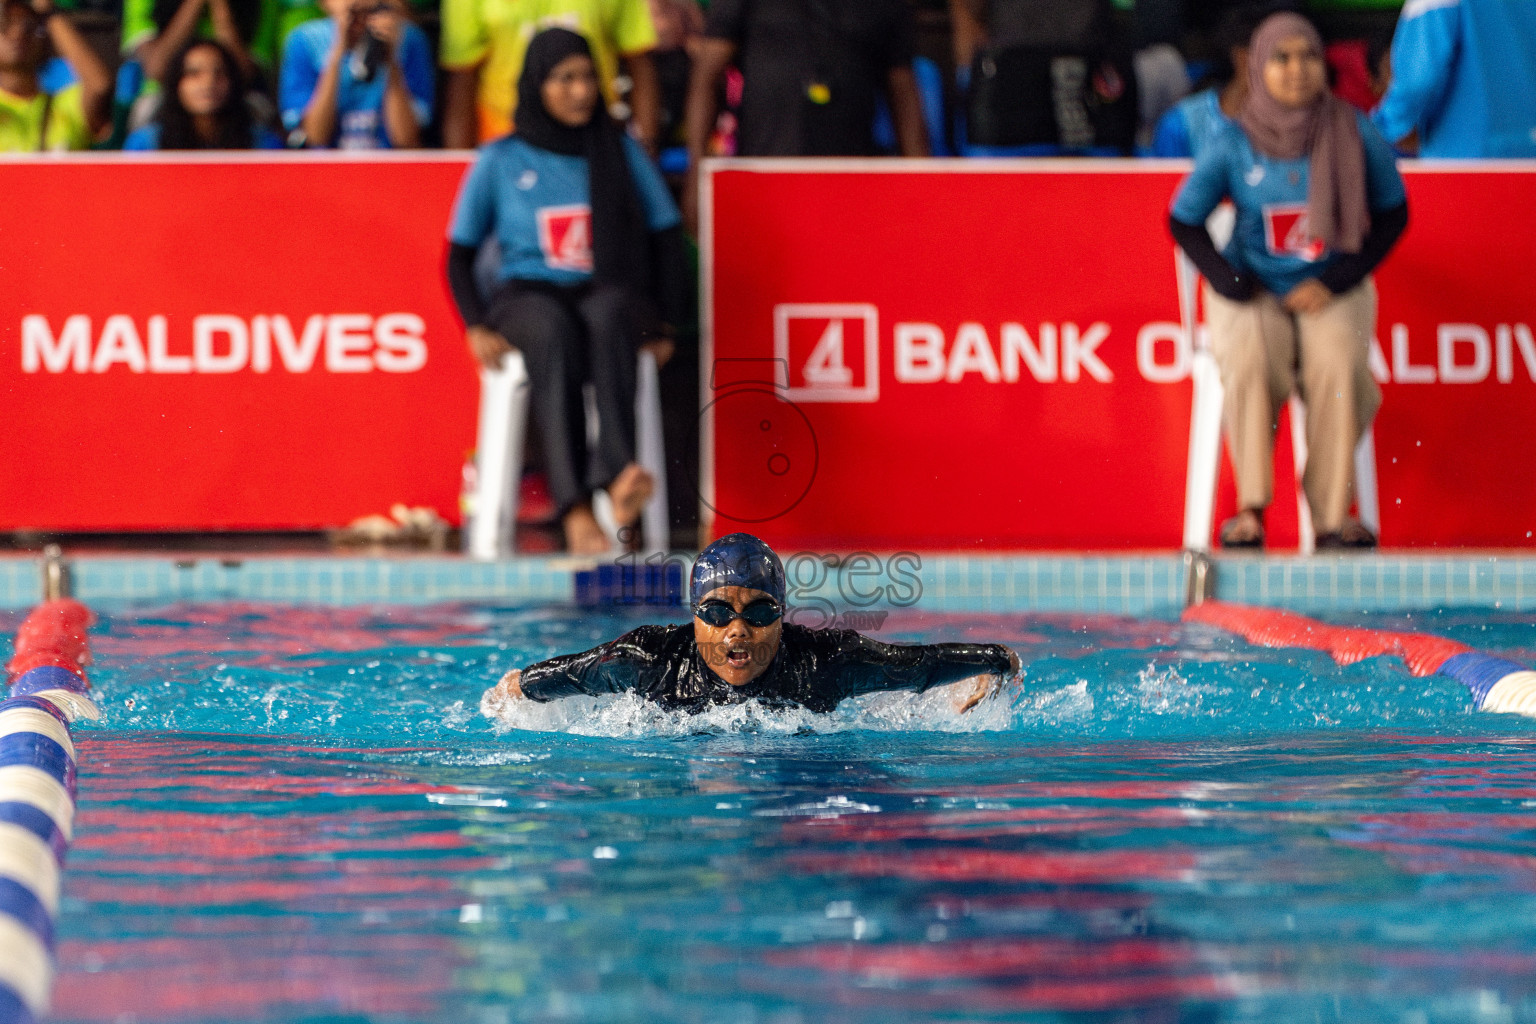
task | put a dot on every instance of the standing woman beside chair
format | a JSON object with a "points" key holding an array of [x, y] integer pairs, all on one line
{"points": [[592, 268], [1290, 302]]}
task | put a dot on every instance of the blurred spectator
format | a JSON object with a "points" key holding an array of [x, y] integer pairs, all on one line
{"points": [[261, 26], [482, 48], [359, 79], [203, 105], [1185, 129], [35, 119], [1162, 80], [679, 24], [592, 264], [810, 71], [1463, 79], [1290, 303], [155, 30], [1053, 75]]}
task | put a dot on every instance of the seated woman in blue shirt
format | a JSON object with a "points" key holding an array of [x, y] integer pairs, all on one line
{"points": [[592, 267], [204, 105], [1290, 303]]}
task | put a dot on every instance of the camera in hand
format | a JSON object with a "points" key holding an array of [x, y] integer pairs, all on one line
{"points": [[370, 53]]}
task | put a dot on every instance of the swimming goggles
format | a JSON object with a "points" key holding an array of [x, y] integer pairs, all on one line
{"points": [[762, 612]]}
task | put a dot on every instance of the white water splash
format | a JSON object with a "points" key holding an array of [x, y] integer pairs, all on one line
{"points": [[1169, 693], [456, 715], [628, 716], [1072, 703]]}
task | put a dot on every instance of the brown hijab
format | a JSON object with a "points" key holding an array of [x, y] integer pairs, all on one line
{"points": [[1325, 132]]}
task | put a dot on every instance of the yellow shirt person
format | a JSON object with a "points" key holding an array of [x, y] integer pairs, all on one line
{"points": [[22, 129], [31, 119], [492, 36]]}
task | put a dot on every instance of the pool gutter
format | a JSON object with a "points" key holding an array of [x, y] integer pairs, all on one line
{"points": [[1151, 583]]}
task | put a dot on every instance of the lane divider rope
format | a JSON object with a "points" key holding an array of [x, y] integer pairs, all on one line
{"points": [[48, 691], [1495, 683]]}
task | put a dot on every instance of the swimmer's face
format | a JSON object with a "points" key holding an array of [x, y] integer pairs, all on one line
{"points": [[737, 651]]}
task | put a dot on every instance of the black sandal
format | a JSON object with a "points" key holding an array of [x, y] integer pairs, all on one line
{"points": [[1234, 536], [1355, 535]]}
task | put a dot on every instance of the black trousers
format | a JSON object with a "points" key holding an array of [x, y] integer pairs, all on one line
{"points": [[570, 337]]}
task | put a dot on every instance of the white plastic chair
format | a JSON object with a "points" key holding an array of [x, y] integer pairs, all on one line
{"points": [[502, 432], [504, 429], [1205, 425]]}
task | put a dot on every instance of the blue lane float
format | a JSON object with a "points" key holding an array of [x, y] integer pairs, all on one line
{"points": [[48, 692]]}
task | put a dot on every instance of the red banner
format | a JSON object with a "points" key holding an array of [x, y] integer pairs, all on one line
{"points": [[956, 354], [941, 354], [228, 343]]}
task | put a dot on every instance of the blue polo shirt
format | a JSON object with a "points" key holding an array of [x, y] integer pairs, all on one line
{"points": [[1190, 125], [147, 138], [537, 204], [1270, 239], [359, 105]]}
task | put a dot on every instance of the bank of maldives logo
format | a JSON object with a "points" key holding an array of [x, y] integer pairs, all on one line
{"points": [[831, 349], [565, 236]]}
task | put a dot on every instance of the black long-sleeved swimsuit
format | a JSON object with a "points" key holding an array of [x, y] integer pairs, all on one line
{"points": [[814, 668]]}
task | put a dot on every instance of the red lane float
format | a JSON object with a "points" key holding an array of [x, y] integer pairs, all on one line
{"points": [[1496, 684], [1271, 627]]}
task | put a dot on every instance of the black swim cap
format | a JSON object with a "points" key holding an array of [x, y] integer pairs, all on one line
{"points": [[737, 560]]}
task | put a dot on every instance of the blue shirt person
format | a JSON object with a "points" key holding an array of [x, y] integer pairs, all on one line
{"points": [[360, 79], [1190, 125], [592, 272], [536, 203], [1464, 77], [1270, 240], [1289, 305]]}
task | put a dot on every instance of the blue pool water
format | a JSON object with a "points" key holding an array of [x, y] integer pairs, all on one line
{"points": [[299, 815]]}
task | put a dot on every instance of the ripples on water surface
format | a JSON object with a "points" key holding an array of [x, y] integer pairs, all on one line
{"points": [[298, 815]]}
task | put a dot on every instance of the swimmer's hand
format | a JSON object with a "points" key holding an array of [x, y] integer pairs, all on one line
{"points": [[970, 692], [495, 700]]}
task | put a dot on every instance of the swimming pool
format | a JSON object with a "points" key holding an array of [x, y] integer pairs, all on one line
{"points": [[296, 813]]}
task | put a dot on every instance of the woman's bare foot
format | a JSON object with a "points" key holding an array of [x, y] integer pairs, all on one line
{"points": [[630, 490], [582, 534]]}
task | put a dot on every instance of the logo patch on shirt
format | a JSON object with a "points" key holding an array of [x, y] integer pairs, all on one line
{"points": [[528, 179], [565, 235], [1288, 233]]}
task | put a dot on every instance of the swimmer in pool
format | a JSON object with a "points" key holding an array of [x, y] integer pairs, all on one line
{"points": [[739, 648]]}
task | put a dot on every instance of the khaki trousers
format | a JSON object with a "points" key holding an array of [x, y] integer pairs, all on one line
{"points": [[1264, 352]]}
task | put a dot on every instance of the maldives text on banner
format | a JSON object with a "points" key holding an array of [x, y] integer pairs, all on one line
{"points": [[951, 354]]}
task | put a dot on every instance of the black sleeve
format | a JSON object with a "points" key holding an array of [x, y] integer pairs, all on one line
{"points": [[1387, 226], [674, 278], [726, 19], [861, 665], [461, 282], [1228, 281], [900, 44], [615, 667]]}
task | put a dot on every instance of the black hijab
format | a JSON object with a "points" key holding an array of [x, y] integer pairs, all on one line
{"points": [[620, 236]]}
